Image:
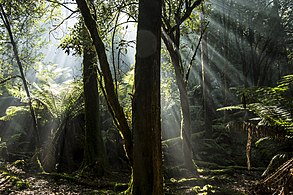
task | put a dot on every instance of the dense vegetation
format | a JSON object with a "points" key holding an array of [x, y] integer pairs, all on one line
{"points": [[146, 97]]}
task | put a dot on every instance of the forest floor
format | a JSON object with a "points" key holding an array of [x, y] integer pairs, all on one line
{"points": [[15, 178]]}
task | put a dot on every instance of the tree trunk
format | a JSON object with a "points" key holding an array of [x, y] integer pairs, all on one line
{"points": [[225, 51], [206, 81], [171, 38], [22, 75], [94, 149], [147, 167], [113, 103], [185, 131]]}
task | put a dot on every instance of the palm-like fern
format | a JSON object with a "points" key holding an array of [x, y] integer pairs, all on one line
{"points": [[56, 105], [272, 109], [271, 106]]}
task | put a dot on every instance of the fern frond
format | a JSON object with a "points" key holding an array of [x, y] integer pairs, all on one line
{"points": [[271, 115], [229, 108], [12, 111]]}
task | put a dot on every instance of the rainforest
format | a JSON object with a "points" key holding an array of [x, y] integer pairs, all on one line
{"points": [[146, 97]]}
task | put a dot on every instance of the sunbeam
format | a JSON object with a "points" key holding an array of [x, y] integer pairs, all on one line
{"points": [[146, 97]]}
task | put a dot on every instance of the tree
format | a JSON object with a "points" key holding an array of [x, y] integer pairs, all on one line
{"points": [[147, 175], [206, 77], [112, 99], [147, 164], [257, 46], [173, 18], [7, 25], [94, 150], [248, 46]]}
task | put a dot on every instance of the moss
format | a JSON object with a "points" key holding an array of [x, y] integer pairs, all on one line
{"points": [[196, 189], [61, 176], [130, 186], [101, 192], [207, 164], [215, 166], [16, 181], [192, 181], [229, 192], [19, 163], [119, 187], [21, 184], [216, 171]]}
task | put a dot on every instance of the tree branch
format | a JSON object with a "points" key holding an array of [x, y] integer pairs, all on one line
{"points": [[185, 16], [58, 25], [111, 96], [195, 52], [9, 78], [62, 4]]}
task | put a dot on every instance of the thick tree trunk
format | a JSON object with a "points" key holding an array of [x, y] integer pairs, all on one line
{"points": [[147, 167], [94, 150], [112, 98]]}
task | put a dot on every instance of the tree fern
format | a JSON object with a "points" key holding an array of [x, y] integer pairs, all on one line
{"points": [[56, 100], [272, 108], [271, 105]]}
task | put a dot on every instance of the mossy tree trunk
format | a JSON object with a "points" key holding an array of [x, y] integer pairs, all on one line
{"points": [[94, 150], [112, 98], [147, 156]]}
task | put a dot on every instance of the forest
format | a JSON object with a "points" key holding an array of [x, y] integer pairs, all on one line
{"points": [[146, 97]]}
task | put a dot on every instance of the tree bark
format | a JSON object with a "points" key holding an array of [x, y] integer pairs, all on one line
{"points": [[94, 149], [185, 131], [171, 38], [113, 103], [206, 81], [147, 167]]}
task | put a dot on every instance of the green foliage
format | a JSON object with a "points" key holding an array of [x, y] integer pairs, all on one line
{"points": [[271, 150], [18, 182], [229, 108], [57, 101], [13, 111], [272, 108], [125, 91], [10, 178], [271, 105], [105, 13], [55, 92], [74, 40], [27, 22]]}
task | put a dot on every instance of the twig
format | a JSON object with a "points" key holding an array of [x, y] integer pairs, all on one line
{"points": [[9, 78], [195, 52], [62, 4], [58, 25]]}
